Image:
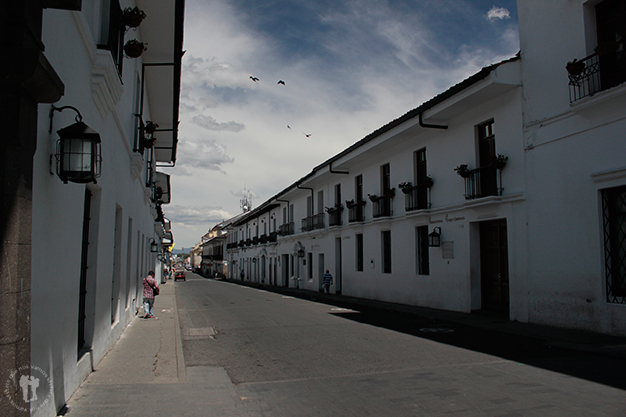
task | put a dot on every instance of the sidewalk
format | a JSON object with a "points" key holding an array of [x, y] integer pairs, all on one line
{"points": [[144, 374]]}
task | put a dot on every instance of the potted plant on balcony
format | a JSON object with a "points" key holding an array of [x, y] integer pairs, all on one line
{"points": [[405, 187], [149, 142], [462, 170], [373, 197], [151, 127], [134, 48], [500, 161], [133, 16], [335, 208], [390, 193], [427, 181], [575, 67]]}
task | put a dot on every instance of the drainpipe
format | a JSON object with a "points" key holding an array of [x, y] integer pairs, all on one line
{"points": [[427, 125], [312, 196]]}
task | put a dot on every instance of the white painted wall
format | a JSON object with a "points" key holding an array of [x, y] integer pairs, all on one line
{"points": [[58, 213], [568, 147]]}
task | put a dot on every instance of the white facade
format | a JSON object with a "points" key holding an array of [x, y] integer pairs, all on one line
{"points": [[124, 215], [541, 246], [575, 152], [452, 281]]}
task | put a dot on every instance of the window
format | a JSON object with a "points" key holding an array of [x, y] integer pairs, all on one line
{"points": [[113, 29], [421, 237], [359, 252], [417, 196], [309, 266], [355, 212], [614, 222], [386, 251], [611, 27], [382, 205], [334, 214]]}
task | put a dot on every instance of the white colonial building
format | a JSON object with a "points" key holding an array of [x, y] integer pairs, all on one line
{"points": [[94, 241], [505, 193]]}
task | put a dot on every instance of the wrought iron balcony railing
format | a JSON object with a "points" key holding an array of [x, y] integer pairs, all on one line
{"points": [[273, 237], [287, 229], [356, 212], [313, 222], [598, 72], [334, 217], [416, 198], [382, 206], [483, 182]]}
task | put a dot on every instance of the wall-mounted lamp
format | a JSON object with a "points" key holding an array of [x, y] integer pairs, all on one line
{"points": [[154, 247], [434, 238], [253, 260], [301, 253], [78, 150]]}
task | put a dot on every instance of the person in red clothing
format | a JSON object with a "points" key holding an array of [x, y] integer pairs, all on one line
{"points": [[148, 294]]}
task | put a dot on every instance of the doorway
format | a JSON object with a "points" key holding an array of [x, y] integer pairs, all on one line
{"points": [[494, 266], [338, 263]]}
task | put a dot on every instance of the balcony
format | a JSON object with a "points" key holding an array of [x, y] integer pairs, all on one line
{"points": [[383, 205], [255, 240], [273, 237], [334, 215], [356, 213], [263, 239], [416, 197], [604, 69], [313, 222], [287, 229], [482, 182]]}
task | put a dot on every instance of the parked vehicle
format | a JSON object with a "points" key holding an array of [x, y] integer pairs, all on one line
{"points": [[180, 274]]}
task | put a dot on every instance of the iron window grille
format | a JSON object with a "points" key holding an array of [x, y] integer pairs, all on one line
{"points": [[614, 225]]}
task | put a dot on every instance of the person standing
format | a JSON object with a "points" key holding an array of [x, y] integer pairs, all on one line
{"points": [[149, 285], [328, 280]]}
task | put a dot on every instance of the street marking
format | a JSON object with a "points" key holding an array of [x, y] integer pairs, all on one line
{"points": [[436, 330]]}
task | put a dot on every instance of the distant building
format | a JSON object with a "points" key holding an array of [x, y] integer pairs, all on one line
{"points": [[504, 193]]}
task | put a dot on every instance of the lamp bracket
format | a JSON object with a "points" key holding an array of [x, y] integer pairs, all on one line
{"points": [[78, 118]]}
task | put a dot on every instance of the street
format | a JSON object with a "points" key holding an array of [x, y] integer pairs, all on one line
{"points": [[291, 357]]}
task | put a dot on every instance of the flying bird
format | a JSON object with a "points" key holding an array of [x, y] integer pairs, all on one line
{"points": [[288, 127], [255, 79], [281, 82], [308, 135]]}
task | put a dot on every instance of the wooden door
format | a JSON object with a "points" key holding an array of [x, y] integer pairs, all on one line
{"points": [[494, 266]]}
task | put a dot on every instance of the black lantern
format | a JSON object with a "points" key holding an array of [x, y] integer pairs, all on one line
{"points": [[434, 238], [78, 151], [301, 253], [154, 247]]}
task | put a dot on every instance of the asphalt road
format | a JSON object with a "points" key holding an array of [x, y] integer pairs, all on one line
{"points": [[291, 357]]}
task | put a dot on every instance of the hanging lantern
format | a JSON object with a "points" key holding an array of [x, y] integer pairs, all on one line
{"points": [[434, 238], [154, 247], [78, 154]]}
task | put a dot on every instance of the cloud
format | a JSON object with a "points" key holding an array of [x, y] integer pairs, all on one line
{"points": [[209, 123], [206, 154], [498, 13], [196, 216]]}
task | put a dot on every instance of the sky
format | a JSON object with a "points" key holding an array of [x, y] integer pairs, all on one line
{"points": [[348, 67]]}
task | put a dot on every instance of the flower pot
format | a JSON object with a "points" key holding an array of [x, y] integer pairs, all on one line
{"points": [[134, 49], [132, 18], [149, 143], [575, 67], [151, 127]]}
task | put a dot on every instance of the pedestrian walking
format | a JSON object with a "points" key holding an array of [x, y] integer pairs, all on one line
{"points": [[328, 280], [150, 290], [242, 275]]}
